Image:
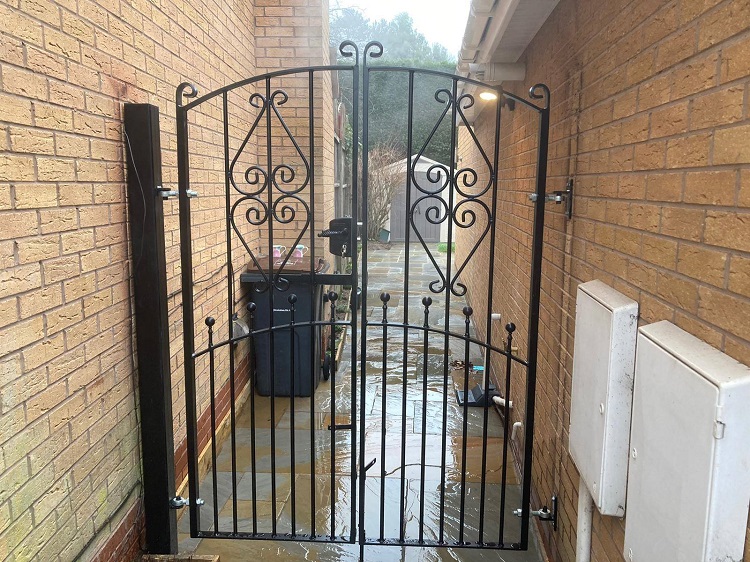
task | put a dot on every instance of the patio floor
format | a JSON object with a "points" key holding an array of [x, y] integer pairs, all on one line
{"points": [[386, 272]]}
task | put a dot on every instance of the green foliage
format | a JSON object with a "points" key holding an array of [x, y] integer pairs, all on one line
{"points": [[443, 247], [388, 103]]}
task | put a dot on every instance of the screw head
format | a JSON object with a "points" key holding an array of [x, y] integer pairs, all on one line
{"points": [[634, 453]]}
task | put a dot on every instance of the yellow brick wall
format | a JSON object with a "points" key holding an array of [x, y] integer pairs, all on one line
{"points": [[69, 452], [650, 117]]}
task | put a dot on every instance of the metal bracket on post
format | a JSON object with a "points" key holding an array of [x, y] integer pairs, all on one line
{"points": [[544, 514], [178, 502], [558, 197]]}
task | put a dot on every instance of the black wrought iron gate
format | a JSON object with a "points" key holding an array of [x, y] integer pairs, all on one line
{"points": [[278, 294]]}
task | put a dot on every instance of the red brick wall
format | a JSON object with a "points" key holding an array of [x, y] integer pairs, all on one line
{"points": [[650, 118]]}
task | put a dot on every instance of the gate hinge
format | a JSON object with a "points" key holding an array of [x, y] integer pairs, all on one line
{"points": [[178, 502], [558, 197], [544, 514]]}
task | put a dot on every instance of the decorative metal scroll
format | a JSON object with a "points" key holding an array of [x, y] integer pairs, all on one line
{"points": [[269, 196]]}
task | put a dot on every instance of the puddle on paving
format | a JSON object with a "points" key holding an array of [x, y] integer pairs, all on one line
{"points": [[399, 421]]}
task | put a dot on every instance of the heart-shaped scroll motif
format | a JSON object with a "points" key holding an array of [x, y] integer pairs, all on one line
{"points": [[268, 198]]}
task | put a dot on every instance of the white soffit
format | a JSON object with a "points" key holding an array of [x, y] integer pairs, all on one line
{"points": [[498, 31], [502, 33]]}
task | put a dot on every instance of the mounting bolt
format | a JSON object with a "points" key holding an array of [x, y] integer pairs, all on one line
{"points": [[178, 502]]}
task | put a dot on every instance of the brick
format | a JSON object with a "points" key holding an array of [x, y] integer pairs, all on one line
{"points": [[77, 287], [676, 48], [679, 292], [16, 110], [37, 301], [18, 224], [725, 311], [57, 220], [636, 129], [735, 60], [717, 108], [20, 279], [55, 169], [20, 25], [728, 230], [649, 155], [659, 251], [702, 264], [25, 83], [16, 168], [34, 196], [53, 117], [38, 248], [731, 146], [18, 336], [686, 224], [724, 22], [669, 121], [710, 188], [41, 353], [60, 318], [690, 151], [664, 187], [59, 269], [695, 76], [739, 275]]}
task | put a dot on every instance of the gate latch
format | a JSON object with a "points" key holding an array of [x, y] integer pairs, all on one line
{"points": [[178, 502], [543, 514], [558, 197]]}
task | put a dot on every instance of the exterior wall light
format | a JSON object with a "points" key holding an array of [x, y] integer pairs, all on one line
{"points": [[488, 96]]}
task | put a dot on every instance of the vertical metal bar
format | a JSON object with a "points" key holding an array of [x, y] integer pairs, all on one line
{"points": [[464, 430], [534, 298], [354, 298], [409, 166], [510, 328], [384, 297], [293, 495], [363, 209], [230, 310], [426, 301], [449, 257], [212, 389], [253, 474], [188, 328], [314, 330], [271, 295], [488, 326], [332, 297]]}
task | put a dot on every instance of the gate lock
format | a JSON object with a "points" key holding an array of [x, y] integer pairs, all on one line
{"points": [[339, 234], [543, 514]]}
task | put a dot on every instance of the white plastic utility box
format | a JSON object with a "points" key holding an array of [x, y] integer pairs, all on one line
{"points": [[603, 364], [689, 475]]}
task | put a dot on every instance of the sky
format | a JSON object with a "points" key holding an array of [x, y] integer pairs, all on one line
{"points": [[440, 21]]}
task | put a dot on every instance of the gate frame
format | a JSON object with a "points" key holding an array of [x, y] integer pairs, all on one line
{"points": [[372, 50]]}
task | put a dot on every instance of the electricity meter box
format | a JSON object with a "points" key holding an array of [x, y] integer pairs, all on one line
{"points": [[689, 474]]}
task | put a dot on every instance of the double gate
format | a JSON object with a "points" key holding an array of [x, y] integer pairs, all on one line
{"points": [[322, 370]]}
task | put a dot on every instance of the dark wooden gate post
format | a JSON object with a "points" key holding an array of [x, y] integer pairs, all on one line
{"points": [[146, 218]]}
